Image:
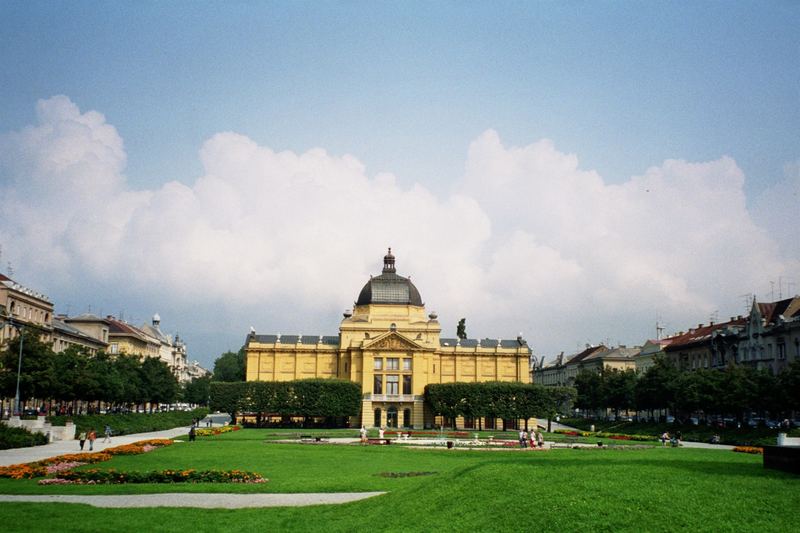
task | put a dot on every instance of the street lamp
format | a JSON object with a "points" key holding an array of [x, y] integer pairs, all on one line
{"points": [[19, 327]]}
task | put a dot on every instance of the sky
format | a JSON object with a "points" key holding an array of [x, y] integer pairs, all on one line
{"points": [[575, 171]]}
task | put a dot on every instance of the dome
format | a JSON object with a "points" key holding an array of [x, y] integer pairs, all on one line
{"points": [[389, 288]]}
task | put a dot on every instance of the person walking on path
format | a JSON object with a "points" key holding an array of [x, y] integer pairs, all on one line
{"points": [[107, 434], [92, 437], [363, 433], [192, 434], [82, 439], [540, 438]]}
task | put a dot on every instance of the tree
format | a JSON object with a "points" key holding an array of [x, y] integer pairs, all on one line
{"points": [[789, 383], [619, 388], [197, 391], [461, 329], [229, 366], [655, 389], [158, 382], [37, 377], [589, 386]]}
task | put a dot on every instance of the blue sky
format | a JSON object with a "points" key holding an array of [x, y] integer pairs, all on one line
{"points": [[407, 88]]}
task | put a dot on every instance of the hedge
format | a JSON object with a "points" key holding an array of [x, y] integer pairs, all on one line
{"points": [[304, 397]]}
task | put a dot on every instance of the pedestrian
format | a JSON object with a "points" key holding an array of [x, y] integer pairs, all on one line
{"points": [[192, 434], [107, 433], [540, 438], [82, 439], [363, 433], [679, 437], [380, 433], [664, 438], [92, 436], [533, 438]]}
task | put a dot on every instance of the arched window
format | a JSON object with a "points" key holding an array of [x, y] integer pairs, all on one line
{"points": [[377, 421]]}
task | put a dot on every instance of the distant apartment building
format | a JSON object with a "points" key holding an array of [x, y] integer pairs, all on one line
{"points": [[770, 337], [194, 371], [66, 335], [171, 351], [560, 373], [24, 307], [649, 352], [706, 346]]}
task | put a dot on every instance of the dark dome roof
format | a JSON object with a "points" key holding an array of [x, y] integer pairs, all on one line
{"points": [[389, 288]]}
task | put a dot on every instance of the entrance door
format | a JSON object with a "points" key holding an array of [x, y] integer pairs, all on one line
{"points": [[377, 420], [391, 417]]}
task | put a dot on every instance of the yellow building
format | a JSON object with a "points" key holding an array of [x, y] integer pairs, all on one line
{"points": [[393, 349], [24, 307], [130, 340]]}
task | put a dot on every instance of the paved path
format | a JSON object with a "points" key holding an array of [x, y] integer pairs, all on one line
{"points": [[201, 500], [37, 453]]}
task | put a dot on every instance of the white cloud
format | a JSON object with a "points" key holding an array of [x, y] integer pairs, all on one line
{"points": [[529, 240]]}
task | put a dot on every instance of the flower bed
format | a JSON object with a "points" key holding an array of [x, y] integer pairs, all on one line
{"points": [[68, 461], [749, 449], [208, 432], [95, 476], [22, 471], [574, 433], [623, 436]]}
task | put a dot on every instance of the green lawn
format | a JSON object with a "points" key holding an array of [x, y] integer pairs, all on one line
{"points": [[657, 489]]}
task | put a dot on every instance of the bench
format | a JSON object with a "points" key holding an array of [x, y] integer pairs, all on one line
{"points": [[379, 441]]}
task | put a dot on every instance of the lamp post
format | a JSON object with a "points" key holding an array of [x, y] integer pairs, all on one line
{"points": [[19, 327], [19, 367]]}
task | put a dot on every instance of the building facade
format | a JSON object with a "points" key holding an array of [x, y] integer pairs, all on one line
{"points": [[560, 373], [24, 307], [65, 335], [392, 348], [770, 338], [171, 351]]}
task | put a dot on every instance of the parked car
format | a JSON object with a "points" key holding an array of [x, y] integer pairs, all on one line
{"points": [[755, 422]]}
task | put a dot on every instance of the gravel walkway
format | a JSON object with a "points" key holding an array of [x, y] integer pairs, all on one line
{"points": [[201, 500]]}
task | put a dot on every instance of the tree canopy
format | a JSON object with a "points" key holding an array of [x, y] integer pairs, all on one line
{"points": [[230, 366]]}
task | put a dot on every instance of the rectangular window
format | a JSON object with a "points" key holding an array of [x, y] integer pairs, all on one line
{"points": [[406, 364], [392, 363], [114, 348], [378, 364], [392, 385], [781, 351], [406, 384], [377, 386]]}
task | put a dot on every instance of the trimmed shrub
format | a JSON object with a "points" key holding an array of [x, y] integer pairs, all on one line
{"points": [[19, 438]]}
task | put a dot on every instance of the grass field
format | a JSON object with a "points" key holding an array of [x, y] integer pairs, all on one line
{"points": [[656, 489]]}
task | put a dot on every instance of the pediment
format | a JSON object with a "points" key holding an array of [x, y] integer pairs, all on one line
{"points": [[392, 341]]}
